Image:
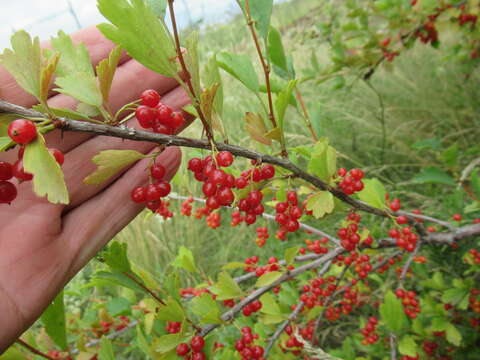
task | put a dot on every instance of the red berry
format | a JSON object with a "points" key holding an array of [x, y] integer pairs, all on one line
{"points": [[401, 220], [145, 116], [139, 195], [182, 349], [8, 192], [150, 98], [209, 188], [342, 172], [197, 343], [195, 165], [224, 158], [254, 198], [457, 217], [6, 171], [152, 193], [22, 131], [157, 171], [199, 356], [58, 155], [19, 172], [176, 120], [268, 171], [292, 197], [164, 188], [164, 114], [241, 183], [225, 196], [212, 203]]}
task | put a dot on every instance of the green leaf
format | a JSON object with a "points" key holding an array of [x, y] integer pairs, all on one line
{"points": [[167, 342], [159, 7], [212, 77], [233, 265], [5, 143], [450, 156], [53, 319], [373, 193], [226, 288], [433, 175], [110, 163], [261, 13], [192, 61], [456, 297], [206, 309], [137, 28], [453, 335], [240, 67], [76, 77], [408, 346], [105, 278], [255, 126], [290, 254], [321, 203], [430, 144], [106, 350], [207, 99], [48, 177], [276, 53], [106, 70], [282, 102], [323, 160], [68, 113], [271, 310], [391, 311], [475, 182], [81, 87], [436, 282], [46, 77], [171, 311], [116, 257], [185, 260], [268, 278], [24, 62], [119, 306]]}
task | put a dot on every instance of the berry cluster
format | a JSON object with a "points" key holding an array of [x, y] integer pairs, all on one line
{"points": [[351, 181], [369, 335], [251, 308], [152, 114], [245, 345], [186, 208], [152, 194], [404, 239], [475, 255], [287, 214], [316, 246], [411, 306], [213, 220], [173, 327], [474, 300], [467, 18], [429, 347], [262, 236], [252, 266], [349, 236], [194, 350]]}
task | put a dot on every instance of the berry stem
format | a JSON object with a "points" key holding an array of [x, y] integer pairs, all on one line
{"points": [[195, 97], [32, 349]]}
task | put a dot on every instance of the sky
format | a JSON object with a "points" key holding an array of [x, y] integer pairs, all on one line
{"points": [[44, 20]]}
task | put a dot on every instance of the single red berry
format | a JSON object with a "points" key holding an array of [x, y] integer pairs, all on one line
{"points": [[457, 217], [19, 172], [401, 220], [225, 196], [157, 171], [212, 203], [254, 198], [268, 171], [182, 349], [209, 188], [224, 158], [199, 356], [164, 188], [22, 131], [292, 197], [139, 195], [197, 343], [58, 155], [8, 192], [146, 116], [150, 98], [176, 120], [342, 172], [281, 207], [152, 193], [241, 183], [6, 171], [164, 114], [195, 165]]}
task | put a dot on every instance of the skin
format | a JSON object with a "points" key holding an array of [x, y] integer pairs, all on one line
{"points": [[42, 246]]}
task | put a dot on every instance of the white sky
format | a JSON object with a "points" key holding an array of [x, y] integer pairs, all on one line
{"points": [[43, 20]]}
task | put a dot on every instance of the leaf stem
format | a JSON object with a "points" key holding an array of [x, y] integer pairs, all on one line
{"points": [[32, 349], [306, 116]]}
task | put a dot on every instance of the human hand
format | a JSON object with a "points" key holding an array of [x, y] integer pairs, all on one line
{"points": [[42, 245]]}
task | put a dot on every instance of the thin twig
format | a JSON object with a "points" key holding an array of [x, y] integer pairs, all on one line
{"points": [[186, 72], [393, 347], [306, 116], [266, 71], [142, 285], [32, 349]]}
